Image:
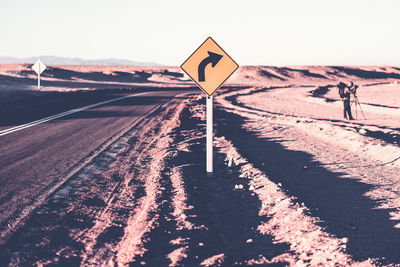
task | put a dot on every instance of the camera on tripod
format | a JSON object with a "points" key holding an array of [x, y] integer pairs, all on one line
{"points": [[344, 92]]}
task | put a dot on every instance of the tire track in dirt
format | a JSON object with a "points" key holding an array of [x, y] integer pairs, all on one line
{"points": [[288, 223], [389, 135], [220, 223], [167, 243], [132, 242]]}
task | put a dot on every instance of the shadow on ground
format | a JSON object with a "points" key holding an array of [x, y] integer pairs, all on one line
{"points": [[228, 217], [338, 200]]}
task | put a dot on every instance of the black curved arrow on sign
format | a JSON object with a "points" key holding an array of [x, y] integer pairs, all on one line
{"points": [[212, 58]]}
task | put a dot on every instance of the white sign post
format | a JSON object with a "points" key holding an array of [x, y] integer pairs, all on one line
{"points": [[39, 67], [209, 135]]}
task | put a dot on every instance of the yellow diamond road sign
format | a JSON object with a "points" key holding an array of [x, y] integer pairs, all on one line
{"points": [[209, 66]]}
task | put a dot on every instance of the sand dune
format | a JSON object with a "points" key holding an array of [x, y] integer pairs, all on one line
{"points": [[20, 76]]}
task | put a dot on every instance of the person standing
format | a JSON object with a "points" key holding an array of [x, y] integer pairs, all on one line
{"points": [[345, 92]]}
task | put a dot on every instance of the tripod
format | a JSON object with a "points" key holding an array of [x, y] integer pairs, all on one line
{"points": [[357, 102]]}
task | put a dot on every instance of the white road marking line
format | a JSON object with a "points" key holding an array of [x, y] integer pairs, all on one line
{"points": [[63, 114]]}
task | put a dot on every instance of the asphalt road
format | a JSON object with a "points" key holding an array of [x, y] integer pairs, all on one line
{"points": [[33, 159]]}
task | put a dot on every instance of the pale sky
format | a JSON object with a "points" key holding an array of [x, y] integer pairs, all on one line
{"points": [[253, 32]]}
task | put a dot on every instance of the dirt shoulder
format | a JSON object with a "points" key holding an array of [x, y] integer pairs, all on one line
{"points": [[351, 195]]}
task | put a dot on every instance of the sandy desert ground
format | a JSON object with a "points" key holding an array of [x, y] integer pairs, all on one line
{"points": [[294, 184]]}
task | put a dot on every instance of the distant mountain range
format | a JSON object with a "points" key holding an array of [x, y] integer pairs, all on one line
{"points": [[51, 60]]}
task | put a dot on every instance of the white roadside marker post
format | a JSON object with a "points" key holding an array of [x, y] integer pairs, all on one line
{"points": [[209, 135], [38, 79], [38, 67]]}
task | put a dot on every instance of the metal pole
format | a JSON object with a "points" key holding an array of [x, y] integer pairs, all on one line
{"points": [[38, 81], [355, 104], [360, 107], [209, 136]]}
